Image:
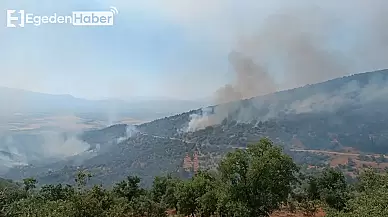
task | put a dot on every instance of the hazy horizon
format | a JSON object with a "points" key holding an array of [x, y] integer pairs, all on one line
{"points": [[179, 50], [135, 97]]}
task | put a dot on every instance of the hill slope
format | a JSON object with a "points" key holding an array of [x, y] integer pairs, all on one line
{"points": [[344, 112], [367, 90]]}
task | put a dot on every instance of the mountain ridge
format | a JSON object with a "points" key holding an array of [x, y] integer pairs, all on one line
{"points": [[352, 119]]}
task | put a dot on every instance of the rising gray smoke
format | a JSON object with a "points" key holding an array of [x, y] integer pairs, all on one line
{"points": [[251, 80], [298, 43]]}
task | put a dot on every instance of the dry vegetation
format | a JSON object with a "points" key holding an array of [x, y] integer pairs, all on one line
{"points": [[319, 213], [339, 160]]}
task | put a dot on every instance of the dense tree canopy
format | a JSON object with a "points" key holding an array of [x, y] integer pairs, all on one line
{"points": [[252, 182]]}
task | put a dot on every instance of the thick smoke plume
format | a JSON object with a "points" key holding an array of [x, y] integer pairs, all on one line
{"points": [[299, 47], [251, 80]]}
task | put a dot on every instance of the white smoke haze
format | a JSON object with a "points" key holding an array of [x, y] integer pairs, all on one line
{"points": [[350, 93], [299, 42], [49, 147], [9, 157], [201, 121], [198, 122], [55, 146], [129, 132]]}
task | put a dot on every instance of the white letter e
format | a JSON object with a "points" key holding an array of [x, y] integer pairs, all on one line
{"points": [[10, 18]]}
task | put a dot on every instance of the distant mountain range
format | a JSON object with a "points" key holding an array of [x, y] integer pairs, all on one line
{"points": [[345, 112], [26, 101]]}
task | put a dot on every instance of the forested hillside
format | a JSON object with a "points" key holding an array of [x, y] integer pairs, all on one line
{"points": [[334, 115], [334, 97], [260, 181]]}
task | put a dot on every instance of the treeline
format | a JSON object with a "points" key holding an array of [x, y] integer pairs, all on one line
{"points": [[253, 182]]}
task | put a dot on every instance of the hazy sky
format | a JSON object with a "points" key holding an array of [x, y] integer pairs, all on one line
{"points": [[174, 48]]}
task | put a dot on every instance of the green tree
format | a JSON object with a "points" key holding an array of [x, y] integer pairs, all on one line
{"points": [[7, 184], [29, 184], [170, 197], [164, 191], [186, 198], [371, 199], [330, 186], [82, 178], [258, 179], [227, 207], [159, 187], [371, 180], [204, 184], [56, 192], [208, 203], [129, 188], [144, 206], [193, 195]]}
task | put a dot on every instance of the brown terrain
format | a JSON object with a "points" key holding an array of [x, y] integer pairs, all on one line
{"points": [[334, 153], [320, 213], [338, 159]]}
